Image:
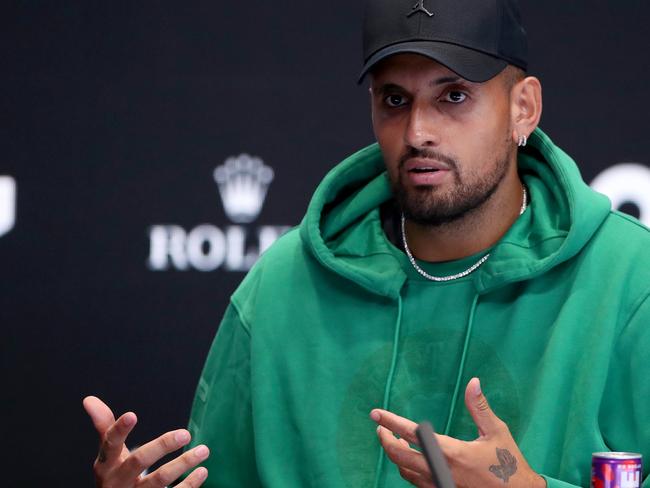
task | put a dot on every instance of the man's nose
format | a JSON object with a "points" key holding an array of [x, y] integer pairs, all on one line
{"points": [[422, 130]]}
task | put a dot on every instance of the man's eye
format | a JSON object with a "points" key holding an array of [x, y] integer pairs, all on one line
{"points": [[455, 97], [395, 100]]}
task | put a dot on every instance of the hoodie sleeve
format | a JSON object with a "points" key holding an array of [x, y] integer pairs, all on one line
{"points": [[553, 483], [624, 417], [221, 412]]}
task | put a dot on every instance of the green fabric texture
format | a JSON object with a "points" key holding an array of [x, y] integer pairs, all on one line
{"points": [[333, 321]]}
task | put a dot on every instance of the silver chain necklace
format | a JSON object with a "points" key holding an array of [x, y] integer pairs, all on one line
{"points": [[462, 274]]}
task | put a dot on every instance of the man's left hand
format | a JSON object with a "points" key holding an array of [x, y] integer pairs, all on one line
{"points": [[492, 460]]}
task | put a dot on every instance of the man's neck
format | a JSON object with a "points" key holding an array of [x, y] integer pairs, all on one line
{"points": [[478, 230]]}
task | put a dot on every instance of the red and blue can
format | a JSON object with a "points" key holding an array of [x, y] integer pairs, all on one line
{"points": [[616, 470]]}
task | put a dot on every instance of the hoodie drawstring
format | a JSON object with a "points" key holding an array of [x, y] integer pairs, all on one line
{"points": [[389, 383], [393, 365], [461, 367]]}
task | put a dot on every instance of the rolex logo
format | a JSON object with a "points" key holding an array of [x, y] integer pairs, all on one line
{"points": [[419, 7], [7, 204], [243, 181]]}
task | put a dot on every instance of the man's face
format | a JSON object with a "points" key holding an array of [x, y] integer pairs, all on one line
{"points": [[446, 141]]}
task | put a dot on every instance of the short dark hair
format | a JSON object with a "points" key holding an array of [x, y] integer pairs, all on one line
{"points": [[512, 75]]}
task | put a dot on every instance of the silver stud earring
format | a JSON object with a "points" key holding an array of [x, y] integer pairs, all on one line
{"points": [[523, 140]]}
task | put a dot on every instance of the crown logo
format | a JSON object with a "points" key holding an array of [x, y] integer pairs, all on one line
{"points": [[7, 204], [243, 181]]}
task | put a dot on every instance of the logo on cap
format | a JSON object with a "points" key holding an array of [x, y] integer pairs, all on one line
{"points": [[419, 7]]}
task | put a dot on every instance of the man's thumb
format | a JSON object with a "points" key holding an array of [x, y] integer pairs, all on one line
{"points": [[479, 408], [99, 413]]}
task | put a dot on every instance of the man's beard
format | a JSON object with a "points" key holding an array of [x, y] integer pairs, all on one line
{"points": [[426, 205]]}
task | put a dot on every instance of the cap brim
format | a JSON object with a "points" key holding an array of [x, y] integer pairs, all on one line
{"points": [[469, 64]]}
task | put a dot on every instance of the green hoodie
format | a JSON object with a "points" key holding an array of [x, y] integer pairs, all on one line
{"points": [[333, 321]]}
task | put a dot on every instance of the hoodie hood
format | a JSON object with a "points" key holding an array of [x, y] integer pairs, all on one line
{"points": [[342, 227]]}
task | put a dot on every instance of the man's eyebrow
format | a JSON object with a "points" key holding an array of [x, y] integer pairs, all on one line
{"points": [[444, 80], [392, 87], [389, 87]]}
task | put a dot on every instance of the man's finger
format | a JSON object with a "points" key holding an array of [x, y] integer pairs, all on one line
{"points": [[171, 471], [416, 479], [479, 408], [424, 480], [147, 454], [99, 413], [401, 426], [112, 445], [402, 456], [198, 476]]}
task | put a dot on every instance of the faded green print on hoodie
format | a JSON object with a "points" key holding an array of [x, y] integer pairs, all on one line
{"points": [[333, 321]]}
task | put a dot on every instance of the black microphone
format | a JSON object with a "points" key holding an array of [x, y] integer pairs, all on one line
{"points": [[440, 472]]}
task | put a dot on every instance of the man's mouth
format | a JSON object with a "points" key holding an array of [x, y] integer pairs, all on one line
{"points": [[416, 165], [426, 172]]}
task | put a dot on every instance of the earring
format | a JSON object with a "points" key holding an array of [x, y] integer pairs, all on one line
{"points": [[523, 140]]}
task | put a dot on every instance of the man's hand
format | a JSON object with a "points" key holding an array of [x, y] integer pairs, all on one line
{"points": [[492, 460], [116, 467]]}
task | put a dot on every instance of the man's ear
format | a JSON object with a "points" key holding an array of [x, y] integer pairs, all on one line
{"points": [[525, 107]]}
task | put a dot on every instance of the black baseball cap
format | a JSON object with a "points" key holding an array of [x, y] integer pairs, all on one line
{"points": [[476, 39]]}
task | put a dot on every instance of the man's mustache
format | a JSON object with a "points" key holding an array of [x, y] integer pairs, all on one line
{"points": [[414, 152]]}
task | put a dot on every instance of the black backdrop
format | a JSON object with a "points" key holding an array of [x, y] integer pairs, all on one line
{"points": [[114, 117]]}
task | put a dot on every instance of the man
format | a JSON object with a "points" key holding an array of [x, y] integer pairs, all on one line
{"points": [[464, 245]]}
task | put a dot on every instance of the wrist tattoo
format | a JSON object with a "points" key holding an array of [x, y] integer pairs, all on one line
{"points": [[507, 465]]}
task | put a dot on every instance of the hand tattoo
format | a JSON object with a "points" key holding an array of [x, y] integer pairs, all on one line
{"points": [[507, 465]]}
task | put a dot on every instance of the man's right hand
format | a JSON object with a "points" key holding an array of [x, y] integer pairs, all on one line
{"points": [[117, 467]]}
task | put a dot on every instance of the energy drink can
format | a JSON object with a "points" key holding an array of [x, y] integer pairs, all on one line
{"points": [[616, 470]]}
